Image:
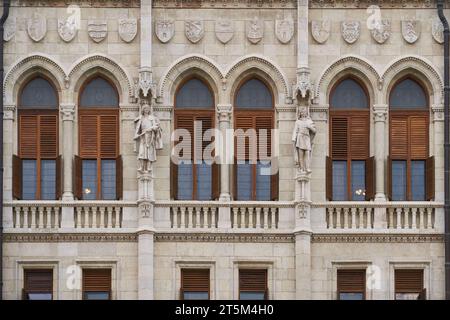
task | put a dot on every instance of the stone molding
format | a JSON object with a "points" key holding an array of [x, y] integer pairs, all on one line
{"points": [[67, 112], [70, 237], [9, 111], [225, 237], [377, 238], [363, 4], [80, 3]]}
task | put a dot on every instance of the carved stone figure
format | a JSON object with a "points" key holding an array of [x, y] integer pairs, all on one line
{"points": [[127, 29], [351, 30], [224, 30], [382, 32], [67, 29], [320, 30], [303, 138], [411, 30], [37, 27], [97, 30], [255, 30], [284, 30], [165, 30], [438, 30], [194, 30], [9, 29], [148, 137]]}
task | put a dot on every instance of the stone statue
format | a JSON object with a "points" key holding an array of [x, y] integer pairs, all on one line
{"points": [[148, 138], [303, 138]]}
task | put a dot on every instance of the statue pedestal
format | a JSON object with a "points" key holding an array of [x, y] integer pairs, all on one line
{"points": [[303, 190], [146, 197]]}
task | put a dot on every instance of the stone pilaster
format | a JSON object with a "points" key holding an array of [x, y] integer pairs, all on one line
{"points": [[438, 150], [67, 113], [9, 112], [224, 114], [380, 117]]}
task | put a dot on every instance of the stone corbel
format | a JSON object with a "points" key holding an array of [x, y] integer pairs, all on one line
{"points": [[380, 112], [145, 84], [9, 111], [67, 112], [303, 87], [438, 113]]}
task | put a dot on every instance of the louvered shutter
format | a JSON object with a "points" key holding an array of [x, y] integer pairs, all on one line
{"points": [[28, 136], [389, 178], [339, 138], [78, 178], [38, 281], [274, 181], [88, 135], [370, 178], [418, 141], [399, 137], [173, 179], [119, 178], [329, 179], [253, 280], [243, 143], [264, 124], [359, 137], [207, 123], [216, 181], [430, 179], [184, 121], [109, 137], [97, 280], [195, 280], [351, 281], [17, 177], [48, 136], [408, 280], [59, 177]]}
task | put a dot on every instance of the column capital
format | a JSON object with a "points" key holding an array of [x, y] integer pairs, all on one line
{"points": [[224, 111], [380, 112], [67, 111], [438, 112], [9, 111]]}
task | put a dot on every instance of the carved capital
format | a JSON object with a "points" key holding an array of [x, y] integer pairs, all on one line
{"points": [[438, 113], [380, 112], [9, 111], [145, 83], [67, 112], [224, 112], [303, 86]]}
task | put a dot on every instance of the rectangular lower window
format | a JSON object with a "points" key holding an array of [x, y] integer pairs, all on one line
{"points": [[399, 176], [204, 181], [358, 180], [253, 284], [409, 284], [195, 284], [418, 181], [340, 181], [185, 178], [351, 284], [244, 181], [89, 176], [29, 179], [48, 179], [96, 284], [38, 284], [109, 180]]}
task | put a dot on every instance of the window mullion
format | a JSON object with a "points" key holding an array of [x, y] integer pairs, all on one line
{"points": [[99, 162], [38, 158]]}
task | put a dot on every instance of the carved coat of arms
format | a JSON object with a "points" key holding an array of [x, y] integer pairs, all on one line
{"points": [[37, 27], [255, 30], [67, 29], [351, 30], [127, 29], [224, 30], [320, 30], [9, 29], [411, 30], [194, 30], [164, 30], [382, 31], [437, 30], [284, 30], [97, 30]]}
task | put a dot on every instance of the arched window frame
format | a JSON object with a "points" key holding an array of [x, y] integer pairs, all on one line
{"points": [[104, 122], [351, 125], [39, 156], [242, 119], [409, 148], [188, 116]]}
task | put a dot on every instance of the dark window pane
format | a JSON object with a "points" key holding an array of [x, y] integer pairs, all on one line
{"points": [[108, 179], [39, 296], [418, 180], [195, 296], [340, 181], [194, 94], [99, 93], [96, 295], [349, 95], [358, 180], [38, 93], [399, 180], [351, 296], [244, 181], [48, 179], [29, 179], [252, 296], [408, 94], [185, 181], [263, 179], [204, 181], [89, 179], [254, 94]]}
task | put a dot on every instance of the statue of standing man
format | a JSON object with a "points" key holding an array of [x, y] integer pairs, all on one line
{"points": [[303, 137], [148, 138]]}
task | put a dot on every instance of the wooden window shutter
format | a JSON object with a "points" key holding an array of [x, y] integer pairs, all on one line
{"points": [[253, 280], [339, 137], [329, 179], [399, 137], [48, 136], [184, 121], [38, 281], [59, 177], [215, 181], [359, 137], [351, 281], [88, 135], [119, 178], [234, 180], [173, 180], [418, 141], [243, 122], [109, 137], [264, 123], [17, 177], [389, 178], [430, 179], [408, 280], [274, 185], [28, 136], [97, 280], [78, 178], [195, 280], [370, 178]]}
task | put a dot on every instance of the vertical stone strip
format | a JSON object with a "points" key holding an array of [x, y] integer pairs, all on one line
{"points": [[380, 116], [67, 112]]}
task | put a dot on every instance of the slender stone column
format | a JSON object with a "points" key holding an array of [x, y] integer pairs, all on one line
{"points": [[67, 112], [8, 149], [380, 116], [224, 112], [438, 150]]}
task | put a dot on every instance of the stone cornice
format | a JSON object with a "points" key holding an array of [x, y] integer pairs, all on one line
{"points": [[363, 4], [376, 238], [70, 237], [80, 3], [225, 237]]}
